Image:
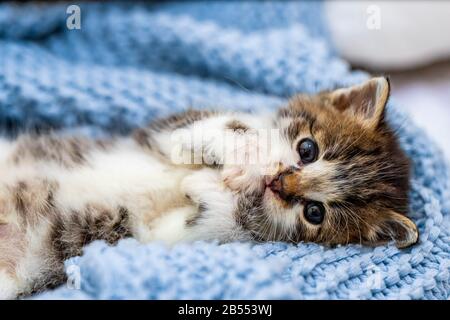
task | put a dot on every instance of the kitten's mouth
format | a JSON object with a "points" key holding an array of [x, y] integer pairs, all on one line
{"points": [[273, 186], [273, 194]]}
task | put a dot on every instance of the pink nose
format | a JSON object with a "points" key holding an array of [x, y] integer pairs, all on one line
{"points": [[275, 183], [280, 184]]}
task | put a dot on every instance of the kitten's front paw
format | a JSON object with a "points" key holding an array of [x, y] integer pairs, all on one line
{"points": [[195, 185], [240, 179], [233, 177], [8, 287]]}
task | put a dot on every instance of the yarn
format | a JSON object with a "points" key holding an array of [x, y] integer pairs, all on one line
{"points": [[132, 62]]}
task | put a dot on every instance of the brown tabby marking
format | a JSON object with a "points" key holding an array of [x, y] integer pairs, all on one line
{"points": [[34, 199], [144, 139], [180, 120], [12, 246], [70, 234], [371, 172], [237, 125], [361, 175], [66, 151]]}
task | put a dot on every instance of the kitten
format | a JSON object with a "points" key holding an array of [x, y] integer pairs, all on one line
{"points": [[330, 172]]}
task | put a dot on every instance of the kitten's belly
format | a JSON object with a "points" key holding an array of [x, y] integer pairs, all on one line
{"points": [[125, 176]]}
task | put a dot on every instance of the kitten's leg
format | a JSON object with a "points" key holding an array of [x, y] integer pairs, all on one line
{"points": [[200, 143], [222, 140], [202, 184], [8, 286], [216, 205], [169, 227], [211, 139], [11, 250]]}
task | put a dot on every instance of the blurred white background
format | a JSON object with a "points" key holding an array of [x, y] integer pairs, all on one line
{"points": [[408, 40], [425, 95]]}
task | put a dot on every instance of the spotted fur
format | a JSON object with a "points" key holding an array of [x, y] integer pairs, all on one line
{"points": [[180, 120], [237, 125], [68, 152]]}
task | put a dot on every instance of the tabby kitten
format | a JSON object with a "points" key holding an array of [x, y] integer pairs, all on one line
{"points": [[330, 171]]}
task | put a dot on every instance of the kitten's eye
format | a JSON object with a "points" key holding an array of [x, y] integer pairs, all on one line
{"points": [[314, 212], [307, 149]]}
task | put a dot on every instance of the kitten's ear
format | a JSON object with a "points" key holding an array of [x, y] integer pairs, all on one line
{"points": [[366, 101], [393, 226]]}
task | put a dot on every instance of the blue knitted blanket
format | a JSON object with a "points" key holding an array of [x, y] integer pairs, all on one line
{"points": [[131, 62]]}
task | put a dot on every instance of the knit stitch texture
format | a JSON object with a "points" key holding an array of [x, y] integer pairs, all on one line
{"points": [[132, 62]]}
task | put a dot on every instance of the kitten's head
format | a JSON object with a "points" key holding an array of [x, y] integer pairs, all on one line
{"points": [[341, 176]]}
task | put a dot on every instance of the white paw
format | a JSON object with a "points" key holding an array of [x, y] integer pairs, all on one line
{"points": [[242, 179], [195, 185], [8, 287]]}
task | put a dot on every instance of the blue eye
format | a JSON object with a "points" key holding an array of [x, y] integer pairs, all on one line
{"points": [[308, 150], [314, 212]]}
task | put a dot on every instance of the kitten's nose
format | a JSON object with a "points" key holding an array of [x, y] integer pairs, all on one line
{"points": [[278, 184], [275, 184]]}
